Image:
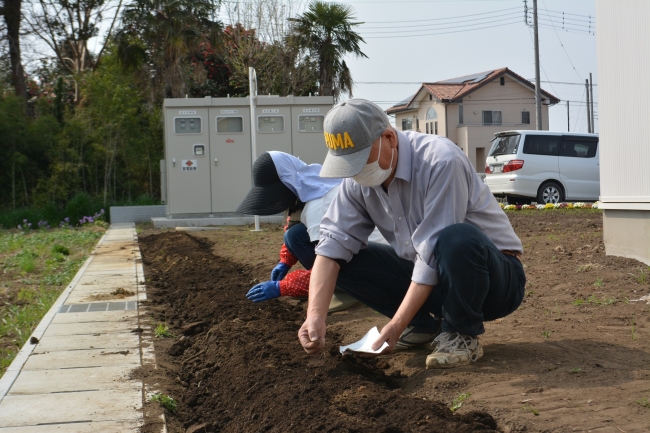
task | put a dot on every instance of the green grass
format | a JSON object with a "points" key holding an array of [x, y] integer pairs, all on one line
{"points": [[531, 410], [599, 282], [162, 331], [575, 370], [457, 403], [642, 278], [592, 299], [644, 402], [165, 402], [546, 334], [35, 271]]}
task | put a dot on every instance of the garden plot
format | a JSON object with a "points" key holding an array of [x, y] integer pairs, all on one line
{"points": [[573, 357]]}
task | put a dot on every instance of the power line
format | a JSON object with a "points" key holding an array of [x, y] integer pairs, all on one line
{"points": [[443, 33], [439, 28], [433, 23], [564, 49], [422, 82], [441, 18]]}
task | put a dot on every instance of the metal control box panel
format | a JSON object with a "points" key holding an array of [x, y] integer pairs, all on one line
{"points": [[208, 145]]}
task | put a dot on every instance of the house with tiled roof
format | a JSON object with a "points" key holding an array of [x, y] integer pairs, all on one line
{"points": [[469, 110]]}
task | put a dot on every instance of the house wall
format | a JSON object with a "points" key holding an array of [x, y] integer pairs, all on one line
{"points": [[511, 99], [421, 113], [624, 105]]}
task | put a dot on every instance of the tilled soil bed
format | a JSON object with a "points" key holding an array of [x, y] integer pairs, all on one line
{"points": [[238, 367], [573, 358]]}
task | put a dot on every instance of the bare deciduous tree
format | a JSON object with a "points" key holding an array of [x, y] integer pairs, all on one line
{"points": [[66, 26]]}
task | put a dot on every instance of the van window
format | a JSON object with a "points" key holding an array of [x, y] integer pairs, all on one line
{"points": [[542, 145], [505, 145], [578, 149]]}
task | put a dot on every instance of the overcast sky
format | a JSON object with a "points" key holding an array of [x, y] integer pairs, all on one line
{"points": [[505, 41], [430, 40]]}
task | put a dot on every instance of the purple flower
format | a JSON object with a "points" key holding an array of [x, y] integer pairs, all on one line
{"points": [[66, 219], [20, 227]]}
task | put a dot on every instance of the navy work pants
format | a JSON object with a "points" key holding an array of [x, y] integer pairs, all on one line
{"points": [[477, 282]]}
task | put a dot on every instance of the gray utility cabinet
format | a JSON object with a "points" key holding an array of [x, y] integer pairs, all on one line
{"points": [[208, 146]]}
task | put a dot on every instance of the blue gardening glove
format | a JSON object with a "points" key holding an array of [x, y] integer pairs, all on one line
{"points": [[279, 272], [264, 291]]}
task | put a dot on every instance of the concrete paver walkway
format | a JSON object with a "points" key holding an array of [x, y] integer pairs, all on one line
{"points": [[76, 378]]}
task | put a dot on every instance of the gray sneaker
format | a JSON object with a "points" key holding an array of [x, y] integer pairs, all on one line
{"points": [[413, 336], [454, 349]]}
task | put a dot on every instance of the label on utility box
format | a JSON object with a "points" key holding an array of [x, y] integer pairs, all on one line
{"points": [[270, 111], [187, 112], [311, 110], [229, 111], [188, 165]]}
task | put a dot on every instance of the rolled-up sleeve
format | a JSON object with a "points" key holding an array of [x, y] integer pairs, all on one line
{"points": [[445, 203], [346, 225]]}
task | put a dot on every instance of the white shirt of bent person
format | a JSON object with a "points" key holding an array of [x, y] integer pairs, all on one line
{"points": [[313, 213]]}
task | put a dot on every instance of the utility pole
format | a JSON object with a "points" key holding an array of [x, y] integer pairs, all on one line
{"points": [[591, 95], [568, 118], [538, 99], [252, 86], [588, 107]]}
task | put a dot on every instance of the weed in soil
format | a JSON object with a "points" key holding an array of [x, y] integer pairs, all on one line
{"points": [[162, 331], [165, 401], [457, 403], [238, 366]]}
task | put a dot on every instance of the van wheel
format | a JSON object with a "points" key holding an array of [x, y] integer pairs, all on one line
{"points": [[550, 192]]}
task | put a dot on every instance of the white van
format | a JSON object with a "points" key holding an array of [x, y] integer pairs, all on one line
{"points": [[543, 166]]}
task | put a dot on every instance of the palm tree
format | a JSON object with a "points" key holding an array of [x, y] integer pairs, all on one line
{"points": [[326, 31]]}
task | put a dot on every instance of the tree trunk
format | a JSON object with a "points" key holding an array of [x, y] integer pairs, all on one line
{"points": [[12, 15]]}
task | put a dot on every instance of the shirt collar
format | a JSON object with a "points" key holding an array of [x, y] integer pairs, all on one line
{"points": [[403, 170]]}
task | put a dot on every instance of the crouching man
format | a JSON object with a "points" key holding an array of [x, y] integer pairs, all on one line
{"points": [[454, 253]]}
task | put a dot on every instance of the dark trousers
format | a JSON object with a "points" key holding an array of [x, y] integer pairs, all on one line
{"points": [[477, 282], [297, 241]]}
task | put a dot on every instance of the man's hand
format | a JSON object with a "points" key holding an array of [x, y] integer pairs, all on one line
{"points": [[312, 335], [389, 334]]}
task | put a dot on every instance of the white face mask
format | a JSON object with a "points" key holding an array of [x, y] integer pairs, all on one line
{"points": [[372, 174]]}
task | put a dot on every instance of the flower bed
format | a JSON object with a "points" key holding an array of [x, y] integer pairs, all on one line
{"points": [[548, 206]]}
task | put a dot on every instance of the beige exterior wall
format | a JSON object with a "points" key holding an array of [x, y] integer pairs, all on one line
{"points": [[626, 233], [624, 104], [511, 99]]}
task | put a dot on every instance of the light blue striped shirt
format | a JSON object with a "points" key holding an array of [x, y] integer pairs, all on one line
{"points": [[435, 186]]}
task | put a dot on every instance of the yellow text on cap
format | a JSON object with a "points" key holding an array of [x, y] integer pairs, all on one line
{"points": [[337, 141]]}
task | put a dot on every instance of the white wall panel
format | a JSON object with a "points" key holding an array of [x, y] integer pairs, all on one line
{"points": [[623, 36]]}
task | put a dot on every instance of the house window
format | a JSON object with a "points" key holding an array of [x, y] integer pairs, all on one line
{"points": [[525, 117], [417, 124], [502, 81], [491, 118], [461, 116], [430, 97], [432, 113], [427, 128], [407, 124], [435, 127]]}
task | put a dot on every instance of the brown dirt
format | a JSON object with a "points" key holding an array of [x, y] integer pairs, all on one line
{"points": [[573, 357], [119, 293], [238, 367]]}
